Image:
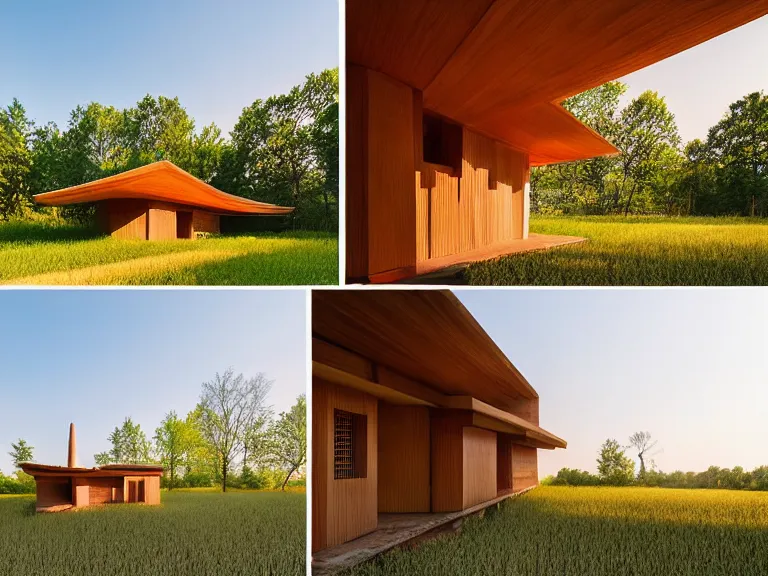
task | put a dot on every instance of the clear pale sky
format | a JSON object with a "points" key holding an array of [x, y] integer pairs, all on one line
{"points": [[688, 365], [216, 56], [701, 82], [96, 357]]}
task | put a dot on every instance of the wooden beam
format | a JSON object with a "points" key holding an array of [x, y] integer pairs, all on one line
{"points": [[337, 357], [336, 376]]}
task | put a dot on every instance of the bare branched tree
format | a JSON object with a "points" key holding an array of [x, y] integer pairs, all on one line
{"points": [[642, 442], [230, 405]]}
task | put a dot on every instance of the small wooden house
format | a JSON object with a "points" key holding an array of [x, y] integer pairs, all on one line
{"points": [[159, 201], [414, 409], [449, 104], [61, 488]]}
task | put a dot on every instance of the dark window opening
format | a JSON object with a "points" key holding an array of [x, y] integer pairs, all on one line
{"points": [[184, 225], [350, 445], [442, 142]]}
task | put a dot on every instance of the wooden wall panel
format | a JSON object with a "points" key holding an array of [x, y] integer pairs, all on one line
{"points": [[404, 462], [152, 490], [356, 171], [101, 489], [447, 458], [391, 203], [203, 221], [525, 467], [162, 224], [124, 219], [341, 509], [81, 494], [479, 447], [482, 207], [503, 462]]}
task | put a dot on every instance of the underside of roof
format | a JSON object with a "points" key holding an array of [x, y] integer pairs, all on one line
{"points": [[502, 67], [427, 335], [161, 182]]}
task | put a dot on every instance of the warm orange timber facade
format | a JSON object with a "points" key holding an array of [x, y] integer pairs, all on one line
{"points": [[414, 409], [61, 488], [450, 103], [159, 201]]}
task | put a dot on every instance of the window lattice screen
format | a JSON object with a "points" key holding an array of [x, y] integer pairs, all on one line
{"points": [[343, 453]]}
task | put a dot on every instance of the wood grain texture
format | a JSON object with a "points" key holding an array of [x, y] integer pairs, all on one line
{"points": [[391, 205], [124, 219], [356, 151], [525, 467], [161, 223], [425, 335], [479, 464], [162, 182], [501, 67], [404, 461], [341, 509], [447, 460], [504, 479], [53, 492]]}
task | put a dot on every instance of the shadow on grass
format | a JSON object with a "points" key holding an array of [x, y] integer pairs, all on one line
{"points": [[529, 538], [37, 232]]}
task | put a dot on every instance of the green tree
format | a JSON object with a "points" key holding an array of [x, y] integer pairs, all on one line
{"points": [[129, 446], [21, 452], [738, 146], [229, 405], [173, 442], [647, 132], [613, 466], [15, 160], [289, 437]]}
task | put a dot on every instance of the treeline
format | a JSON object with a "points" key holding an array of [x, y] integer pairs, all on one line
{"points": [[283, 150], [727, 174], [231, 439], [615, 468]]}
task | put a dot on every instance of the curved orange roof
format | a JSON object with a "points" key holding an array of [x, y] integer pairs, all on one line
{"points": [[164, 182]]}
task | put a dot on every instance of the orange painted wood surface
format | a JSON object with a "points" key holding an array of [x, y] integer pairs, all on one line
{"points": [[125, 219], [161, 223], [479, 466], [162, 182], [347, 508], [391, 206], [403, 452], [525, 467], [501, 67], [447, 460]]}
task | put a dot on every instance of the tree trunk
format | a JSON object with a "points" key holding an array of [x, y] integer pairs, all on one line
{"points": [[170, 486], [224, 475], [287, 477], [629, 201]]}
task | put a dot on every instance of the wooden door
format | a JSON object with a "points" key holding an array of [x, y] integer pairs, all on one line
{"points": [[132, 491]]}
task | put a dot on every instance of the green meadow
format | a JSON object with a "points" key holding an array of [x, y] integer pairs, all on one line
{"points": [[190, 533], [602, 531], [637, 251], [40, 253]]}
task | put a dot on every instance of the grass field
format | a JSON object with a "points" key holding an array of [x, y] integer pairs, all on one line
{"points": [[561, 531], [41, 253], [237, 534], [637, 252]]}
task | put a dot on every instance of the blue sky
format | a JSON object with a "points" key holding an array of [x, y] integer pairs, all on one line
{"points": [[701, 82], [95, 357], [217, 57], [686, 365]]}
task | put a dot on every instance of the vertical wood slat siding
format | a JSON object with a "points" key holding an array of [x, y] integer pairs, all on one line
{"points": [[479, 465], [503, 462], [203, 221], [483, 206], [341, 509], [525, 467], [125, 219], [403, 454], [447, 456], [391, 204], [356, 172], [161, 223]]}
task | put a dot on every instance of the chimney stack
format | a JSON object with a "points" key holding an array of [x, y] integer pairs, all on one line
{"points": [[72, 457]]}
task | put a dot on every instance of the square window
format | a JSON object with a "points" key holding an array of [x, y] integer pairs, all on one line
{"points": [[442, 142], [350, 445]]}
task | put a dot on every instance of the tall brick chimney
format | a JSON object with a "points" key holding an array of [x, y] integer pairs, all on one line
{"points": [[72, 456]]}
